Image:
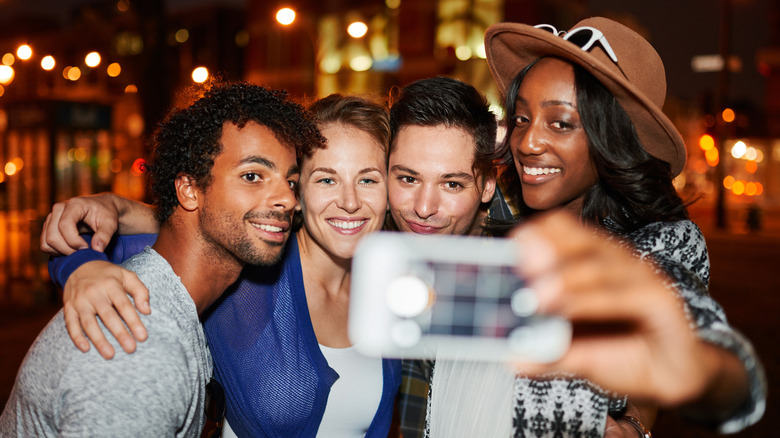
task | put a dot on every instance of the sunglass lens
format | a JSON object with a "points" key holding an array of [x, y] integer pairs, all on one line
{"points": [[582, 38]]}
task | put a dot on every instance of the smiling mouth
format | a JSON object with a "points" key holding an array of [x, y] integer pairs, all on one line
{"points": [[347, 225], [541, 170], [269, 228]]}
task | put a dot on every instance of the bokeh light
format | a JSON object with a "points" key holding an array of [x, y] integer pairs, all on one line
{"points": [[285, 16], [24, 52], [182, 35], [6, 74], [200, 75], [357, 29], [463, 53], [728, 182], [712, 157], [9, 59], [131, 89], [751, 166], [138, 167], [738, 187], [114, 69], [115, 166], [706, 142], [74, 74], [48, 62], [728, 115], [481, 53], [739, 149], [92, 59], [361, 63]]}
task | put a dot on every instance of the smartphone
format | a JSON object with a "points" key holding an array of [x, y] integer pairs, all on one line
{"points": [[449, 297]]}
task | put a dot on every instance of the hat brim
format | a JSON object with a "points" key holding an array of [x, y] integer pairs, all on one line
{"points": [[510, 47]]}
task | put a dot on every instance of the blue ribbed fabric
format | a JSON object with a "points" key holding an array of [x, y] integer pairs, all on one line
{"points": [[267, 357]]}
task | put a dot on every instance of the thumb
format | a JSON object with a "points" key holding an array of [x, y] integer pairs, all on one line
{"points": [[101, 238]]}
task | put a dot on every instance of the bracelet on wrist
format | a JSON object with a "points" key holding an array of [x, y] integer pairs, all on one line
{"points": [[636, 424]]}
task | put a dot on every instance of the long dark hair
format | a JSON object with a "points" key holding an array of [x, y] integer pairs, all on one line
{"points": [[633, 188]]}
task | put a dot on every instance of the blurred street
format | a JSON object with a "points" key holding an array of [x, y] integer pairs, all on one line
{"points": [[744, 280]]}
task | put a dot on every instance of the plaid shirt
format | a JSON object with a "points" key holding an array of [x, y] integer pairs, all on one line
{"points": [[412, 400]]}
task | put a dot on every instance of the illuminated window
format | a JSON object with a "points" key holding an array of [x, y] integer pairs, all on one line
{"points": [[462, 25]]}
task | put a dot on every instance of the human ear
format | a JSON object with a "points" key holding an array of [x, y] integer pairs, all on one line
{"points": [[187, 192], [490, 187]]}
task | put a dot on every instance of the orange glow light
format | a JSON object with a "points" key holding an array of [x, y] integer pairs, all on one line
{"points": [[10, 168], [74, 74], [728, 182], [759, 188], [706, 142], [6, 74], [712, 157], [751, 166], [728, 115], [750, 188], [139, 165], [738, 188], [114, 69]]}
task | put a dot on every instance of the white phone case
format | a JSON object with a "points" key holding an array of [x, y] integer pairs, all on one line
{"points": [[451, 297]]}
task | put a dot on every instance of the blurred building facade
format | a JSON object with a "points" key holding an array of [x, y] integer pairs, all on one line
{"points": [[71, 129]]}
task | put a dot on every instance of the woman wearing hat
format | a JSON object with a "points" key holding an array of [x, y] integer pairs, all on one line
{"points": [[586, 134]]}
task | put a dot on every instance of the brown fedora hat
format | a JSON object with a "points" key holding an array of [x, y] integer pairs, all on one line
{"points": [[637, 79]]}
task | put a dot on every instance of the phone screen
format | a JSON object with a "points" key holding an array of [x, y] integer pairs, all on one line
{"points": [[471, 300]]}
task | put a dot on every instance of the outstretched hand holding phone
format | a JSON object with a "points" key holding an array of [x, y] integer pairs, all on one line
{"points": [[631, 331]]}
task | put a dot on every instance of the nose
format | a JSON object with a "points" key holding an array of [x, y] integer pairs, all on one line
{"points": [[348, 201], [529, 141], [427, 202], [283, 197]]}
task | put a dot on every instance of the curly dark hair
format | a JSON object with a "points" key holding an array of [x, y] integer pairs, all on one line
{"points": [[188, 139], [633, 188]]}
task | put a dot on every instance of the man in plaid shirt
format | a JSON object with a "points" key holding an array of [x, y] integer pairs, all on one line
{"points": [[441, 180]]}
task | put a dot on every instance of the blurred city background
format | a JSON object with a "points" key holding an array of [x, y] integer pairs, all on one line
{"points": [[83, 82]]}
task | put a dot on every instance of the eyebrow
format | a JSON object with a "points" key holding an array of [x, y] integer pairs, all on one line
{"points": [[399, 168], [333, 171], [458, 175], [453, 175], [256, 159], [547, 103]]}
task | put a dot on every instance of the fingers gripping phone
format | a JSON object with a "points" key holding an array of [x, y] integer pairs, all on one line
{"points": [[450, 297]]}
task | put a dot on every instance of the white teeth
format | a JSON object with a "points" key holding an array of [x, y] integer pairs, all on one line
{"points": [[540, 170], [269, 228], [347, 225]]}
